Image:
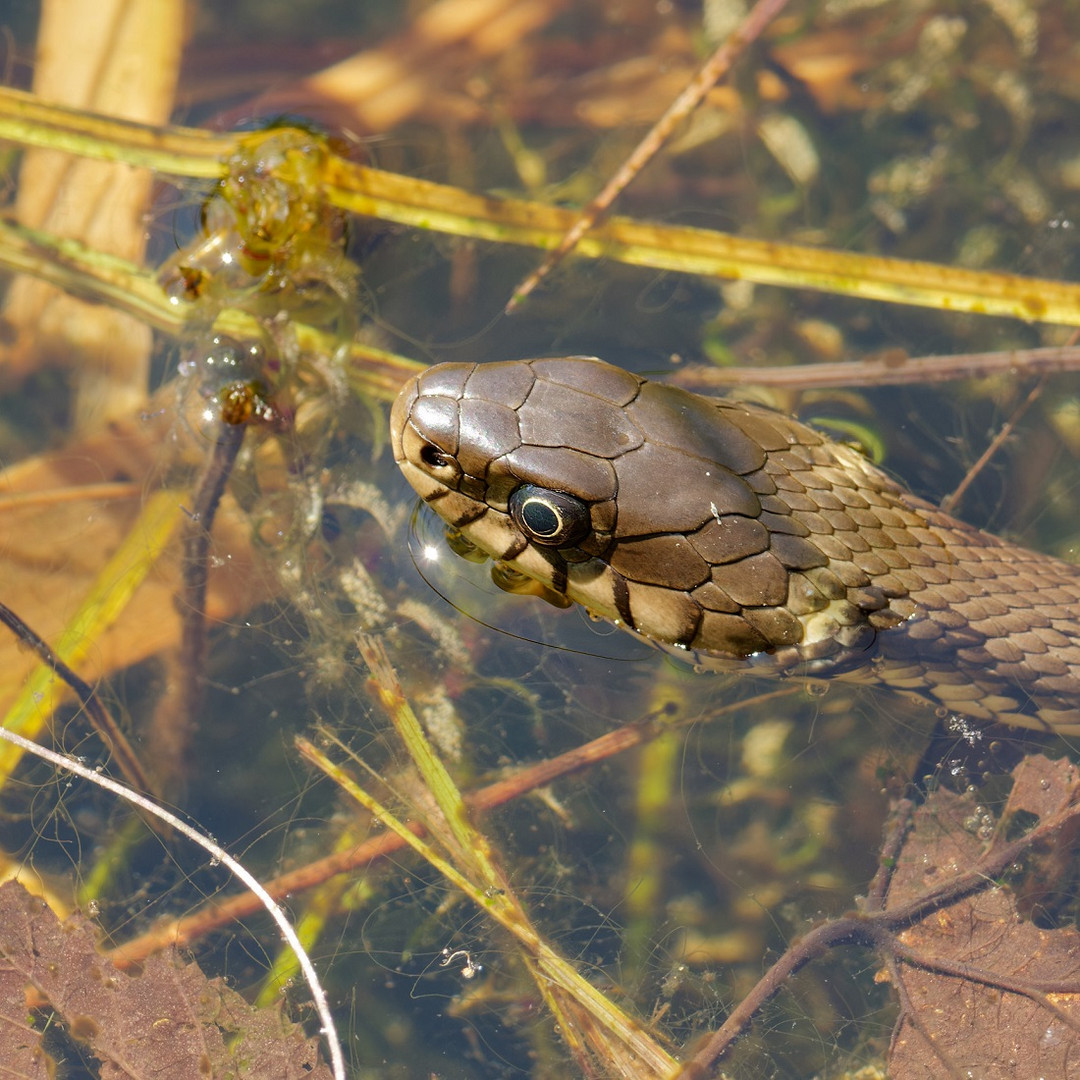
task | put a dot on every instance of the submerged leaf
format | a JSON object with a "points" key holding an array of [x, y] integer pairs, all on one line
{"points": [[168, 1020], [20, 1044], [983, 991]]}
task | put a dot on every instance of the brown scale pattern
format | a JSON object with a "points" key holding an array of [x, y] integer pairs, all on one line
{"points": [[734, 535]]}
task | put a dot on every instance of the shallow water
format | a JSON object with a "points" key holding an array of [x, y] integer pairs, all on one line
{"points": [[671, 873]]}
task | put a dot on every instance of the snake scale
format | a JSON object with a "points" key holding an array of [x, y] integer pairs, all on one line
{"points": [[737, 536]]}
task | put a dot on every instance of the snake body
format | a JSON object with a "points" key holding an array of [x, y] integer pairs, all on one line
{"points": [[737, 536]]}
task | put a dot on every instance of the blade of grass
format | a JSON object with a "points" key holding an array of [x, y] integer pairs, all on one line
{"points": [[123, 285], [473, 846], [425, 205], [108, 597], [27, 120], [320, 907], [551, 971], [899, 370], [195, 925]]}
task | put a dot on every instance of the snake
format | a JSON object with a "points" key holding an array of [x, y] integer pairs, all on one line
{"points": [[735, 536]]}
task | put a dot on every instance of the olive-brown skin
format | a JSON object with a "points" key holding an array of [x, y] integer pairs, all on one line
{"points": [[733, 535]]}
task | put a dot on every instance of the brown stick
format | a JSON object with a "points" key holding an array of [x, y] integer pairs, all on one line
{"points": [[192, 597], [751, 28], [212, 916], [948, 504], [127, 761], [884, 371], [876, 928]]}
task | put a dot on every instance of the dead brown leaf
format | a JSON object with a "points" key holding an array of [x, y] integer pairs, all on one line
{"points": [[168, 1020], [983, 992], [20, 1044]]}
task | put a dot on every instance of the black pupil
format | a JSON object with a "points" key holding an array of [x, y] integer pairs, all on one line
{"points": [[540, 518]]}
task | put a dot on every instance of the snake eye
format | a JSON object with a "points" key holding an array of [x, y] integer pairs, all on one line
{"points": [[549, 517]]}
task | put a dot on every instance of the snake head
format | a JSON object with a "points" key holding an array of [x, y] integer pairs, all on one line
{"points": [[723, 531], [489, 448], [640, 501]]}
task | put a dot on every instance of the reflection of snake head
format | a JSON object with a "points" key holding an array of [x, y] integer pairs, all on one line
{"points": [[728, 531]]}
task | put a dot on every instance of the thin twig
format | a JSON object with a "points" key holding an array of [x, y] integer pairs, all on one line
{"points": [[950, 501], [192, 599], [888, 370], [851, 930], [909, 1012], [1036, 989], [872, 929], [899, 827], [100, 717], [758, 18], [218, 913]]}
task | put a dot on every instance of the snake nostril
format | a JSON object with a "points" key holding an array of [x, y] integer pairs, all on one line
{"points": [[433, 457]]}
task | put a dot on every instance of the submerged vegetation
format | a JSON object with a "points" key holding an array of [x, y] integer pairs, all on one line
{"points": [[512, 843]]}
